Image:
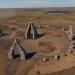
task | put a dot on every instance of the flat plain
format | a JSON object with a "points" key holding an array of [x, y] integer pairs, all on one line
{"points": [[14, 22]]}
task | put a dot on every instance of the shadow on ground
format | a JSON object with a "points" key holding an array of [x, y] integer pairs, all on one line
{"points": [[3, 35], [27, 55]]}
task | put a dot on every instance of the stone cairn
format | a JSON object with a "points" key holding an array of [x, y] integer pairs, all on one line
{"points": [[69, 33], [70, 37], [37, 24], [31, 31], [67, 50], [16, 50]]}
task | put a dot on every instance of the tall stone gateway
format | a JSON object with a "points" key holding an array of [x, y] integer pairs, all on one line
{"points": [[31, 31], [16, 50]]}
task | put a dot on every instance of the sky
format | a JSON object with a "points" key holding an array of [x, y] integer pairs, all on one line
{"points": [[36, 3]]}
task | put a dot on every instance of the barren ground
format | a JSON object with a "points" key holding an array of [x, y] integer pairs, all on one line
{"points": [[52, 42]]}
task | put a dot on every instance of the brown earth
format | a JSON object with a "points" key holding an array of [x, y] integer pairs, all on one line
{"points": [[52, 42]]}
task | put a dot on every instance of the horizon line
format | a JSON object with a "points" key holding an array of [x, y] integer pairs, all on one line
{"points": [[36, 7]]}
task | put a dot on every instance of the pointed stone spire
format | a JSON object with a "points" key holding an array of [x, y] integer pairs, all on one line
{"points": [[31, 31], [16, 50]]}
